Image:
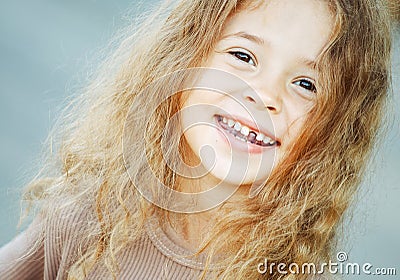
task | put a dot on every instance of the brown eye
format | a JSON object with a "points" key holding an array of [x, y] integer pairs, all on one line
{"points": [[243, 57], [306, 84]]}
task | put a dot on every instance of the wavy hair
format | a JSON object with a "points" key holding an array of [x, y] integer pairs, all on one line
{"points": [[295, 217]]}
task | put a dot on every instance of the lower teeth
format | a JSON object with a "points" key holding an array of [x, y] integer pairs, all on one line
{"points": [[241, 139]]}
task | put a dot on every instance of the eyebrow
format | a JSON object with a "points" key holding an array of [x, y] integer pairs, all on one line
{"points": [[254, 38], [308, 62], [260, 41]]}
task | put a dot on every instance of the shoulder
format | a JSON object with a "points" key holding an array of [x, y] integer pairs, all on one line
{"points": [[68, 222], [67, 233], [22, 258], [54, 241]]}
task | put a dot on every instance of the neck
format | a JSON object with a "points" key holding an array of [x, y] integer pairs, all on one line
{"points": [[190, 230]]}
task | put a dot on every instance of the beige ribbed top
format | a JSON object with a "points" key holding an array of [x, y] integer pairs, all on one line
{"points": [[153, 256]]}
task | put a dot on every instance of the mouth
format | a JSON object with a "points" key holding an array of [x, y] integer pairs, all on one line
{"points": [[246, 134]]}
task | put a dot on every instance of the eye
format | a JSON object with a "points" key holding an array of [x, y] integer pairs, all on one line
{"points": [[306, 84], [245, 57]]}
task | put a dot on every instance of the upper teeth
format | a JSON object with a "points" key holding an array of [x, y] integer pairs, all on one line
{"points": [[237, 126], [244, 130]]}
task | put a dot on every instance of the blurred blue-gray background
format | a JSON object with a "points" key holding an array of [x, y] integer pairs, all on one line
{"points": [[45, 48]]}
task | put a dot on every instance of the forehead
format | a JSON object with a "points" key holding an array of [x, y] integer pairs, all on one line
{"points": [[299, 26]]}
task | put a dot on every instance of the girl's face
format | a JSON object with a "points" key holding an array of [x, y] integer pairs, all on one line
{"points": [[273, 50]]}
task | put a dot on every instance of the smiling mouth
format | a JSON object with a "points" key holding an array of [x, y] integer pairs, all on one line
{"points": [[244, 133]]}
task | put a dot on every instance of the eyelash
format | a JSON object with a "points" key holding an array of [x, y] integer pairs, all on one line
{"points": [[247, 58], [309, 87], [243, 56]]}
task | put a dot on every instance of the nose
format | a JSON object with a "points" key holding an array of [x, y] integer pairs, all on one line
{"points": [[263, 98]]}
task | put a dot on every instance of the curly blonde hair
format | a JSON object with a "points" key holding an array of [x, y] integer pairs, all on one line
{"points": [[295, 218]]}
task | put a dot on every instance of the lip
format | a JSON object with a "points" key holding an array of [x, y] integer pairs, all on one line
{"points": [[245, 146]]}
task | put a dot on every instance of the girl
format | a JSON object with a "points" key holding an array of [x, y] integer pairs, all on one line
{"points": [[232, 133]]}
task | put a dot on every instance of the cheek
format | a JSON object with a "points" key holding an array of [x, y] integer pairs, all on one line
{"points": [[294, 130], [199, 107], [196, 97], [197, 111], [294, 125]]}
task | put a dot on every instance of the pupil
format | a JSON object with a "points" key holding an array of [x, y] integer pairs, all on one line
{"points": [[243, 57], [308, 85]]}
